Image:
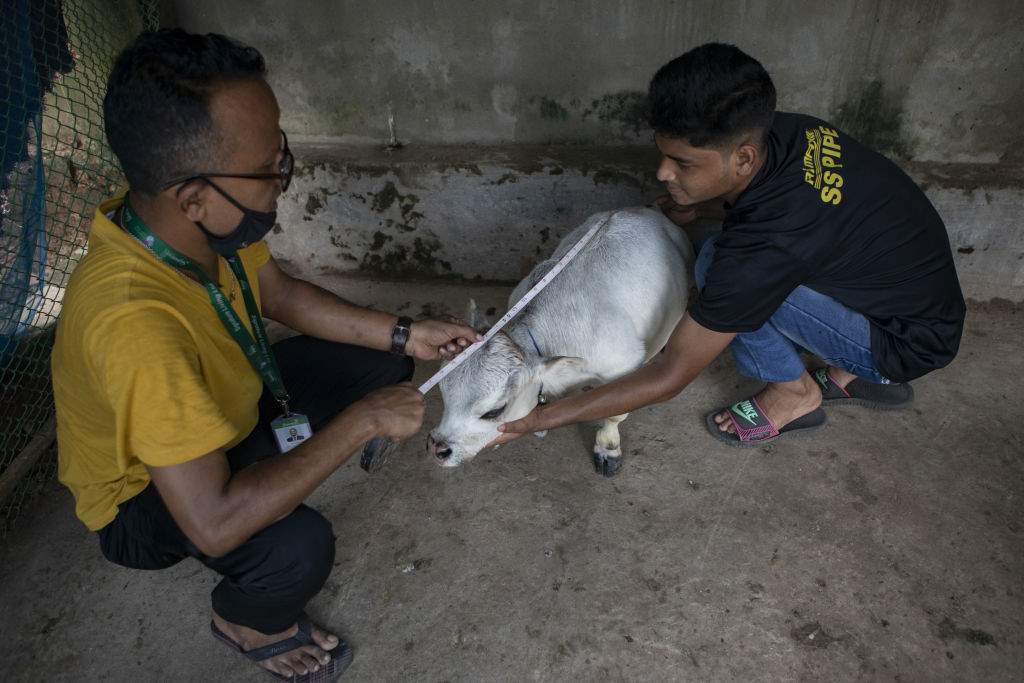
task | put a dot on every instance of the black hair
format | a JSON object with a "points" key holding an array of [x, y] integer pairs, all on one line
{"points": [[711, 95], [156, 109]]}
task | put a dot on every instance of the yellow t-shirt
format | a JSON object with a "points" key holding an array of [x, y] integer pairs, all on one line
{"points": [[144, 372]]}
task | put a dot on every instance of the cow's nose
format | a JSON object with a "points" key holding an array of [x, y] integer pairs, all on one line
{"points": [[441, 450]]}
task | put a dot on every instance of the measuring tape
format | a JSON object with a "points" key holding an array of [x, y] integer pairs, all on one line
{"points": [[376, 452]]}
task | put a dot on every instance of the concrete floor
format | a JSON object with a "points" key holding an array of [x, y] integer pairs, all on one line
{"points": [[888, 546]]}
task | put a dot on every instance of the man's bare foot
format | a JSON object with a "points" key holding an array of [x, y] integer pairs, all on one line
{"points": [[293, 663], [840, 376], [782, 402]]}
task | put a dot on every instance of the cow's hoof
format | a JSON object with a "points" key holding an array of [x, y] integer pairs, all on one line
{"points": [[606, 463]]}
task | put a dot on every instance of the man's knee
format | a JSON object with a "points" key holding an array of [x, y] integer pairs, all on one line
{"points": [[341, 366], [302, 547], [270, 578], [384, 369], [313, 543], [400, 369]]}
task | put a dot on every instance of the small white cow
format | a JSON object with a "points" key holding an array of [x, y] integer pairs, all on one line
{"points": [[611, 310]]}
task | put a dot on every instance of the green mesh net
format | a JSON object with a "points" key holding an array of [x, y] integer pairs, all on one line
{"points": [[55, 167]]}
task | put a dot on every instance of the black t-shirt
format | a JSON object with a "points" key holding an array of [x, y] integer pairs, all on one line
{"points": [[828, 213]]}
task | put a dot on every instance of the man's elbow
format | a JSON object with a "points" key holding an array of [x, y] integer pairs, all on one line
{"points": [[668, 393], [673, 379]]}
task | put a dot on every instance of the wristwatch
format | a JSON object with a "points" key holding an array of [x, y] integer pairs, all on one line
{"points": [[400, 335]]}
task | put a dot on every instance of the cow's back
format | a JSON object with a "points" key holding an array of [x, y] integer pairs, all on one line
{"points": [[629, 285]]}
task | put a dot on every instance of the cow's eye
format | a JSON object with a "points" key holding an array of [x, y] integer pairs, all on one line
{"points": [[493, 414]]}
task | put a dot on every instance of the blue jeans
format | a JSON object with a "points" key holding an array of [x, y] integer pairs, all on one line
{"points": [[806, 320]]}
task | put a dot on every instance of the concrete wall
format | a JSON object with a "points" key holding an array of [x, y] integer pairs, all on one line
{"points": [[928, 79], [519, 119], [491, 213]]}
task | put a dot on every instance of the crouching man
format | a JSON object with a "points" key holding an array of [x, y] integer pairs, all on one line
{"points": [[826, 246], [181, 431]]}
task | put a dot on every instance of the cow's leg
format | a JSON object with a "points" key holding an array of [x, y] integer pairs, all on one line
{"points": [[607, 447]]}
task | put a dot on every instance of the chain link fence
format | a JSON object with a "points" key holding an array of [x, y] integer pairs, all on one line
{"points": [[55, 167]]}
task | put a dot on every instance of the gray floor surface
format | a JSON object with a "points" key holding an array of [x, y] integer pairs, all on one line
{"points": [[886, 547]]}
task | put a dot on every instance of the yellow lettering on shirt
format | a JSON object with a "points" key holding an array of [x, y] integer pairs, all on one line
{"points": [[824, 152], [831, 195]]}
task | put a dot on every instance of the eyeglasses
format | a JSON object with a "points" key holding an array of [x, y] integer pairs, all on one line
{"points": [[285, 169]]}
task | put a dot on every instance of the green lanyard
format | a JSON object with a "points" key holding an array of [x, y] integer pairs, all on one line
{"points": [[258, 351]]}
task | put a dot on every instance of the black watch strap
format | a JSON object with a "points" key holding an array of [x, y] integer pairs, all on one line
{"points": [[400, 335]]}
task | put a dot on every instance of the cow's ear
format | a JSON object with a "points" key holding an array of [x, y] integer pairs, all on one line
{"points": [[559, 373], [475, 319]]}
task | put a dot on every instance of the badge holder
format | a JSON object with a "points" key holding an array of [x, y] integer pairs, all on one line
{"points": [[290, 429]]}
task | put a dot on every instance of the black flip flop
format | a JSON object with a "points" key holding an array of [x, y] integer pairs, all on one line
{"points": [[341, 655], [754, 428], [860, 392]]}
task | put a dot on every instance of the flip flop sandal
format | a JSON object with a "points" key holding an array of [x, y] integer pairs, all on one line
{"points": [[860, 392], [754, 428], [341, 655]]}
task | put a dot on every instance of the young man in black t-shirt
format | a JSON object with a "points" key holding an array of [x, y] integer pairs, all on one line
{"points": [[826, 247]]}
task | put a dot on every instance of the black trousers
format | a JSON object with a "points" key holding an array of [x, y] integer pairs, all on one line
{"points": [[268, 579]]}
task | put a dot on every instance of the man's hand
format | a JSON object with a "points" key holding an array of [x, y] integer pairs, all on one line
{"points": [[510, 431], [437, 339], [395, 412], [534, 422]]}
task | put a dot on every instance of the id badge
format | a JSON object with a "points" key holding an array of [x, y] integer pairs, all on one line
{"points": [[291, 430]]}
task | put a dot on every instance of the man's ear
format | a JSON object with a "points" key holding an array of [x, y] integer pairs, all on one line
{"points": [[191, 200], [746, 156], [559, 373]]}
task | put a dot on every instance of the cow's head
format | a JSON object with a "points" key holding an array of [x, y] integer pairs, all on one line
{"points": [[499, 383]]}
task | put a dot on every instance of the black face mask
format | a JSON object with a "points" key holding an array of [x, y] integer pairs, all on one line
{"points": [[254, 226]]}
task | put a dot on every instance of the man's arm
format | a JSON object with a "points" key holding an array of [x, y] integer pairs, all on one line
{"points": [[218, 510], [689, 350], [312, 310]]}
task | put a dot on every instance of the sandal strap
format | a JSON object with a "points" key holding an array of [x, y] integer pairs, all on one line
{"points": [[750, 421], [304, 636]]}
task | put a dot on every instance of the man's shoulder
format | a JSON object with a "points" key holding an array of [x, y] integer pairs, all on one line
{"points": [[108, 280], [108, 303]]}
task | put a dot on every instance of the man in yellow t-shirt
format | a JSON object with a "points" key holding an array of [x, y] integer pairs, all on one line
{"points": [[168, 396]]}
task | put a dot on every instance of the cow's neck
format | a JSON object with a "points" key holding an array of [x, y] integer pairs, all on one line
{"points": [[526, 337]]}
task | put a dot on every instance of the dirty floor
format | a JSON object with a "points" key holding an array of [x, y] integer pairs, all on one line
{"points": [[886, 547]]}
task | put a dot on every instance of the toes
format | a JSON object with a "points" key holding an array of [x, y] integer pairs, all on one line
{"points": [[282, 668], [316, 654], [310, 660], [724, 421], [298, 664], [327, 641]]}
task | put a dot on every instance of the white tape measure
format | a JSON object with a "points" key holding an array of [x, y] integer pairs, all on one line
{"points": [[516, 309], [377, 450]]}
